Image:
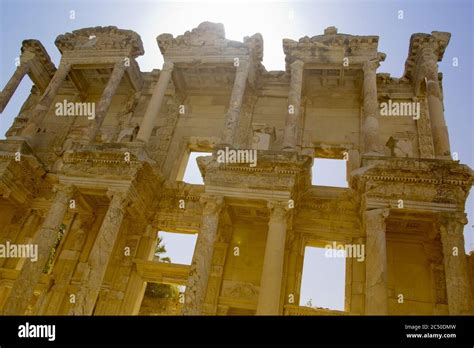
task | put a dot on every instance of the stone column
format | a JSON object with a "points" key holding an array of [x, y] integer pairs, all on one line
{"points": [[154, 105], [24, 286], [376, 292], [106, 99], [202, 259], [15, 80], [100, 255], [370, 129], [292, 122], [436, 109], [270, 283], [456, 271], [47, 99], [232, 116]]}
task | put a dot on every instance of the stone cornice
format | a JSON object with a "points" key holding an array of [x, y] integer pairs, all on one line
{"points": [[422, 184], [208, 39], [414, 170], [101, 38], [35, 47], [437, 41], [331, 48]]}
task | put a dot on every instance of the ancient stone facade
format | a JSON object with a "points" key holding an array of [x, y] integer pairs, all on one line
{"points": [[111, 180]]}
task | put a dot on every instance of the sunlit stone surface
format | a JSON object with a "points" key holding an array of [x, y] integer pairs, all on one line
{"points": [[110, 178]]}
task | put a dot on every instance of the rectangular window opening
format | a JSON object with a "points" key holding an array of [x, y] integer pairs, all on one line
{"points": [[192, 174], [175, 247], [323, 279], [329, 172]]}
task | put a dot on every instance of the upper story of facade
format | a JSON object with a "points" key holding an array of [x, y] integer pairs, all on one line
{"points": [[328, 102]]}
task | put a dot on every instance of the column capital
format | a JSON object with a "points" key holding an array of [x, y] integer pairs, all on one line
{"points": [[211, 204], [297, 65], [243, 62], [371, 65], [278, 209], [64, 65], [168, 66], [25, 60], [430, 70], [376, 216], [120, 65], [69, 189], [452, 224], [122, 196]]}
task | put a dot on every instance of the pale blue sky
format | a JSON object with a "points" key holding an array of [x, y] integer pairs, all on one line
{"points": [[45, 20]]}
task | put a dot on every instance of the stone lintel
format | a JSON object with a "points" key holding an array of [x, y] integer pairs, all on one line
{"points": [[248, 193]]}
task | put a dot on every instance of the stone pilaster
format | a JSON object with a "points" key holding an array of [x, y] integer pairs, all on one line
{"points": [[15, 80], [293, 246], [100, 255], [370, 129], [219, 257], [232, 116], [155, 103], [202, 259], [24, 286], [271, 280], [292, 123], [376, 292], [458, 285], [436, 109], [106, 99], [47, 98]]}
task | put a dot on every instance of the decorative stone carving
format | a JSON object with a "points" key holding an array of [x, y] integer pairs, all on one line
{"points": [[97, 263], [239, 290], [425, 137]]}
